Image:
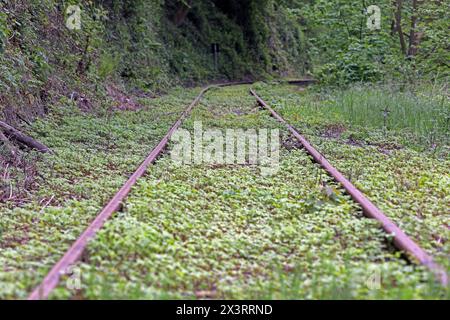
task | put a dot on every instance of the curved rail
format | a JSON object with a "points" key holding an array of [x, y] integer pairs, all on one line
{"points": [[401, 240]]}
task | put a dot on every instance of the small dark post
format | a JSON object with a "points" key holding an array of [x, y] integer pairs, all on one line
{"points": [[215, 49]]}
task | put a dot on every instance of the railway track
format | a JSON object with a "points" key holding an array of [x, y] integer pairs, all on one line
{"points": [[401, 240], [75, 252]]}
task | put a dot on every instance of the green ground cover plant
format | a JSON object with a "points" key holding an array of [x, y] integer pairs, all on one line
{"points": [[210, 231], [94, 94], [400, 169], [93, 157]]}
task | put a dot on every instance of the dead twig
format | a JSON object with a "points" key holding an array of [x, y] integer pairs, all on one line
{"points": [[22, 138], [47, 203]]}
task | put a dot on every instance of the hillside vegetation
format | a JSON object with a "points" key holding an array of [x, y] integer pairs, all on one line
{"points": [[146, 46], [140, 46], [89, 87]]}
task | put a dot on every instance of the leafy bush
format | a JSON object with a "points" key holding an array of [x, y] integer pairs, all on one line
{"points": [[357, 64]]}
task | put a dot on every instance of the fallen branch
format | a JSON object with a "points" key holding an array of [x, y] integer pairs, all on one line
{"points": [[22, 138]]}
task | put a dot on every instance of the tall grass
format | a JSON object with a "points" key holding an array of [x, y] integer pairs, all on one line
{"points": [[424, 112]]}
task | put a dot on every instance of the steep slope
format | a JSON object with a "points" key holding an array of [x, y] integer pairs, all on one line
{"points": [[52, 51]]}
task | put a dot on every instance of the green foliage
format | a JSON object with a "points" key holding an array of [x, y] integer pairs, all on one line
{"points": [[139, 45], [356, 64], [216, 235], [344, 50], [133, 29], [88, 167], [433, 56], [108, 65], [416, 118], [42, 58], [228, 232], [4, 31], [399, 158]]}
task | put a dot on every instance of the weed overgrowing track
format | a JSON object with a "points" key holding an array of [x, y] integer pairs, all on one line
{"points": [[227, 231], [88, 167], [401, 169]]}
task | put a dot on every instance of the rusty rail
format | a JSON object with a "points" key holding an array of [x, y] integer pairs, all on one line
{"points": [[74, 253], [401, 240], [76, 250]]}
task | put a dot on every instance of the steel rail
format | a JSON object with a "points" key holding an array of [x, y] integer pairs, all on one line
{"points": [[75, 252], [400, 239]]}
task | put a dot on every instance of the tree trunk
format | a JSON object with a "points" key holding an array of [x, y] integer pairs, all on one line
{"points": [[182, 13], [22, 138], [414, 37], [398, 27], [83, 64]]}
